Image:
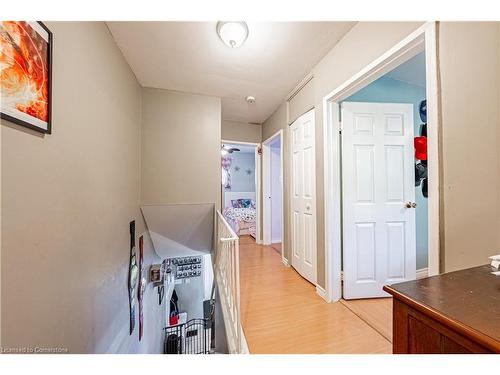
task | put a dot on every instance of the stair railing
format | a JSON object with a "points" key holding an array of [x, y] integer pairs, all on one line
{"points": [[227, 275]]}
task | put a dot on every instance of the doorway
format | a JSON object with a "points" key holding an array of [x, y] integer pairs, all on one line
{"points": [[240, 187], [370, 178], [272, 193]]}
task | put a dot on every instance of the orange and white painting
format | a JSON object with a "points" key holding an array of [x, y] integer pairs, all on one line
{"points": [[25, 58]]}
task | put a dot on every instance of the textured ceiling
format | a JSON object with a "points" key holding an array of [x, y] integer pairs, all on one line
{"points": [[189, 56]]}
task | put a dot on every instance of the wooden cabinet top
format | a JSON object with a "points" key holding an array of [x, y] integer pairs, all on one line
{"points": [[467, 301]]}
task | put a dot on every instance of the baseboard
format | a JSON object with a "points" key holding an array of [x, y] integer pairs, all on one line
{"points": [[322, 293], [285, 262], [423, 272], [276, 240]]}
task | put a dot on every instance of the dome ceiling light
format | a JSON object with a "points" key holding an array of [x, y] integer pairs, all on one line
{"points": [[232, 33]]}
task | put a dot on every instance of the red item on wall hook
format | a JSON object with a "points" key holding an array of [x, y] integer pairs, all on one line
{"points": [[173, 320], [420, 144]]}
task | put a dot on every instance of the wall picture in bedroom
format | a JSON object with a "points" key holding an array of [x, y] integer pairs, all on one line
{"points": [[226, 162]]}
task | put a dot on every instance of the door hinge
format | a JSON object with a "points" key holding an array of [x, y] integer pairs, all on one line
{"points": [[340, 127]]}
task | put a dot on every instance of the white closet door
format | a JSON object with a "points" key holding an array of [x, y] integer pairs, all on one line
{"points": [[378, 197], [304, 196]]}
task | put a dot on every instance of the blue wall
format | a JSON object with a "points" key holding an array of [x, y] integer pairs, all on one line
{"points": [[388, 90], [240, 179]]}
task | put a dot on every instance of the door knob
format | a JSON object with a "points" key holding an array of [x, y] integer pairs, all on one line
{"points": [[411, 205], [308, 207]]}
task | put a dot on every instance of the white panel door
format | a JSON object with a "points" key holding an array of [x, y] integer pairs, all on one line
{"points": [[378, 179], [304, 196]]}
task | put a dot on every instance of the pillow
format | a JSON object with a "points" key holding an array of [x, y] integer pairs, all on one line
{"points": [[252, 204], [245, 203], [235, 203]]}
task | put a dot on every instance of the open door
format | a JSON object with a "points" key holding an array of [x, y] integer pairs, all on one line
{"points": [[378, 180]]}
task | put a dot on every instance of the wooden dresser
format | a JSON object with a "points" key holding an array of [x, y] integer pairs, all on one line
{"points": [[457, 312]]}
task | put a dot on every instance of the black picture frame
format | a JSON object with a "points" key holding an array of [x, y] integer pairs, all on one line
{"points": [[49, 109]]}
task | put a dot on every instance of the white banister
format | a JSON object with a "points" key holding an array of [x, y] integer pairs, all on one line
{"points": [[227, 274]]}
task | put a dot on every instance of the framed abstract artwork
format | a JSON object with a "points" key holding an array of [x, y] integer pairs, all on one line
{"points": [[26, 74]]}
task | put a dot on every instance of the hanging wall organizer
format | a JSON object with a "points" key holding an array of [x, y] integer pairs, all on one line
{"points": [[132, 277], [142, 286]]}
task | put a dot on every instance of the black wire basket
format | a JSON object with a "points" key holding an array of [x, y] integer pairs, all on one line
{"points": [[192, 337]]}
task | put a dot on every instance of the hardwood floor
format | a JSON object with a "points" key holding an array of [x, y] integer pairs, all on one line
{"points": [[277, 247], [376, 312], [281, 312]]}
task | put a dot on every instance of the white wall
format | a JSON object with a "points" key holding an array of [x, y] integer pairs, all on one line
{"points": [[241, 131], [276, 196], [240, 179], [181, 137], [67, 199], [470, 81], [301, 102]]}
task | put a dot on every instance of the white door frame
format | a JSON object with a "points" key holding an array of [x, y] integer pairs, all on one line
{"points": [[258, 189], [424, 38], [266, 190]]}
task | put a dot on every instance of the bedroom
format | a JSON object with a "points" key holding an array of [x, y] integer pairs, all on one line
{"points": [[238, 187]]}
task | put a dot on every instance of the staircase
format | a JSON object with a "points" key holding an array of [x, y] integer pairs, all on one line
{"points": [[185, 230]]}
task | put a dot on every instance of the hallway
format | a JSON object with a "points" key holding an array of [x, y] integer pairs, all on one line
{"points": [[281, 312]]}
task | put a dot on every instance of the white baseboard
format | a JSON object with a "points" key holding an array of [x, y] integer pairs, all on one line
{"points": [[276, 240], [322, 293], [423, 272], [285, 262]]}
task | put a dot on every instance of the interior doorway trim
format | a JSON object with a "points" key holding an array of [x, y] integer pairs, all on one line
{"points": [[424, 38], [266, 191], [258, 185]]}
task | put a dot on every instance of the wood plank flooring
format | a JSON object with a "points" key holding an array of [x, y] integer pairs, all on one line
{"points": [[277, 247], [281, 312], [376, 312]]}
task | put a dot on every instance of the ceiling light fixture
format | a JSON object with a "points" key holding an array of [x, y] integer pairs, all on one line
{"points": [[232, 33], [250, 99]]}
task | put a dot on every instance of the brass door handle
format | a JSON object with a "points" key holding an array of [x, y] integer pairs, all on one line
{"points": [[411, 205]]}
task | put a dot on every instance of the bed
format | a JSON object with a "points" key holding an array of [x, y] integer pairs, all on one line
{"points": [[239, 211]]}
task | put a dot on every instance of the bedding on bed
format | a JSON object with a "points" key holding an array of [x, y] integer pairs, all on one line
{"points": [[241, 219], [240, 213]]}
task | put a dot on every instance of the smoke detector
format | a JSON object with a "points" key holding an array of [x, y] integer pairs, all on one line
{"points": [[250, 99]]}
